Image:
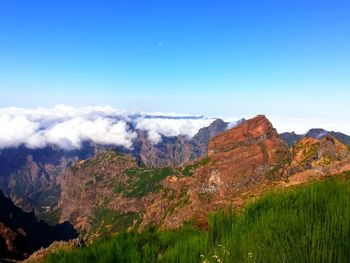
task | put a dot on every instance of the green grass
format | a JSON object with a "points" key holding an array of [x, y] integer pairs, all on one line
{"points": [[307, 224], [148, 246], [143, 181], [304, 224], [106, 221], [105, 157]]}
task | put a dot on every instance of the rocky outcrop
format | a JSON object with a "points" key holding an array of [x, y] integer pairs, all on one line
{"points": [[204, 135], [241, 162], [246, 155], [32, 177], [90, 184], [238, 160], [315, 158]]}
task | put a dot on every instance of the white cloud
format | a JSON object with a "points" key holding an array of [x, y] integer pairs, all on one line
{"points": [[68, 127], [302, 125], [14, 130], [171, 127], [64, 126]]}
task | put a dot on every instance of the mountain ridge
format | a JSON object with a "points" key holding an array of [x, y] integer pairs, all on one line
{"points": [[33, 178], [291, 137], [241, 162], [29, 176]]}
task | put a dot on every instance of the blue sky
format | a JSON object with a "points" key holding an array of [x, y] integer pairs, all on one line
{"points": [[289, 59]]}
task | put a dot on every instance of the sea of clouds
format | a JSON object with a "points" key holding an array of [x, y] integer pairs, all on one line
{"points": [[69, 127]]}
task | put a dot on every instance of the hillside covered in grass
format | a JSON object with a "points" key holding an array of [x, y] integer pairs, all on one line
{"points": [[308, 223]]}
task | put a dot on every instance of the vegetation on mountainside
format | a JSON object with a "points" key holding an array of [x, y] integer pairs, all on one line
{"points": [[308, 223], [51, 217], [188, 170], [106, 157], [143, 181], [105, 221], [309, 150]]}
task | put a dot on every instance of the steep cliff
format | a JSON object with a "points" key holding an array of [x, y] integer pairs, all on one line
{"points": [[21, 233], [32, 177], [111, 191]]}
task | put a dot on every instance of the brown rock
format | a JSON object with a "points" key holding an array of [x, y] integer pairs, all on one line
{"points": [[242, 162], [89, 184]]}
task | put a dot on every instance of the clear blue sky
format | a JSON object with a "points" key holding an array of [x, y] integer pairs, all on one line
{"points": [[240, 58]]}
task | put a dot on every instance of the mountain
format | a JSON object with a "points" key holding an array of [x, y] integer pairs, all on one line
{"points": [[90, 185], [316, 158], [173, 151], [113, 191], [291, 137], [102, 189], [21, 234], [32, 177], [316, 133], [307, 223]]}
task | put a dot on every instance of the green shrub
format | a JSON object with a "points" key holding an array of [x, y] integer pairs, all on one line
{"points": [[303, 224], [143, 181]]}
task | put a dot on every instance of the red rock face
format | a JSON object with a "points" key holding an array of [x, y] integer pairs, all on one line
{"points": [[239, 160], [251, 132], [242, 162], [251, 152]]}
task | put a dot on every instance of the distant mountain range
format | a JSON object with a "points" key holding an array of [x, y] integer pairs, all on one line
{"points": [[102, 188], [291, 138], [111, 191], [32, 177]]}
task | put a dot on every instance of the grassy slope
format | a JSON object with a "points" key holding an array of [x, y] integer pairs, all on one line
{"points": [[305, 224]]}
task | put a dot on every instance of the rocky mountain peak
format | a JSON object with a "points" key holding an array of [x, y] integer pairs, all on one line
{"points": [[217, 123], [313, 158], [313, 149], [249, 132], [291, 138], [317, 133], [246, 159]]}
